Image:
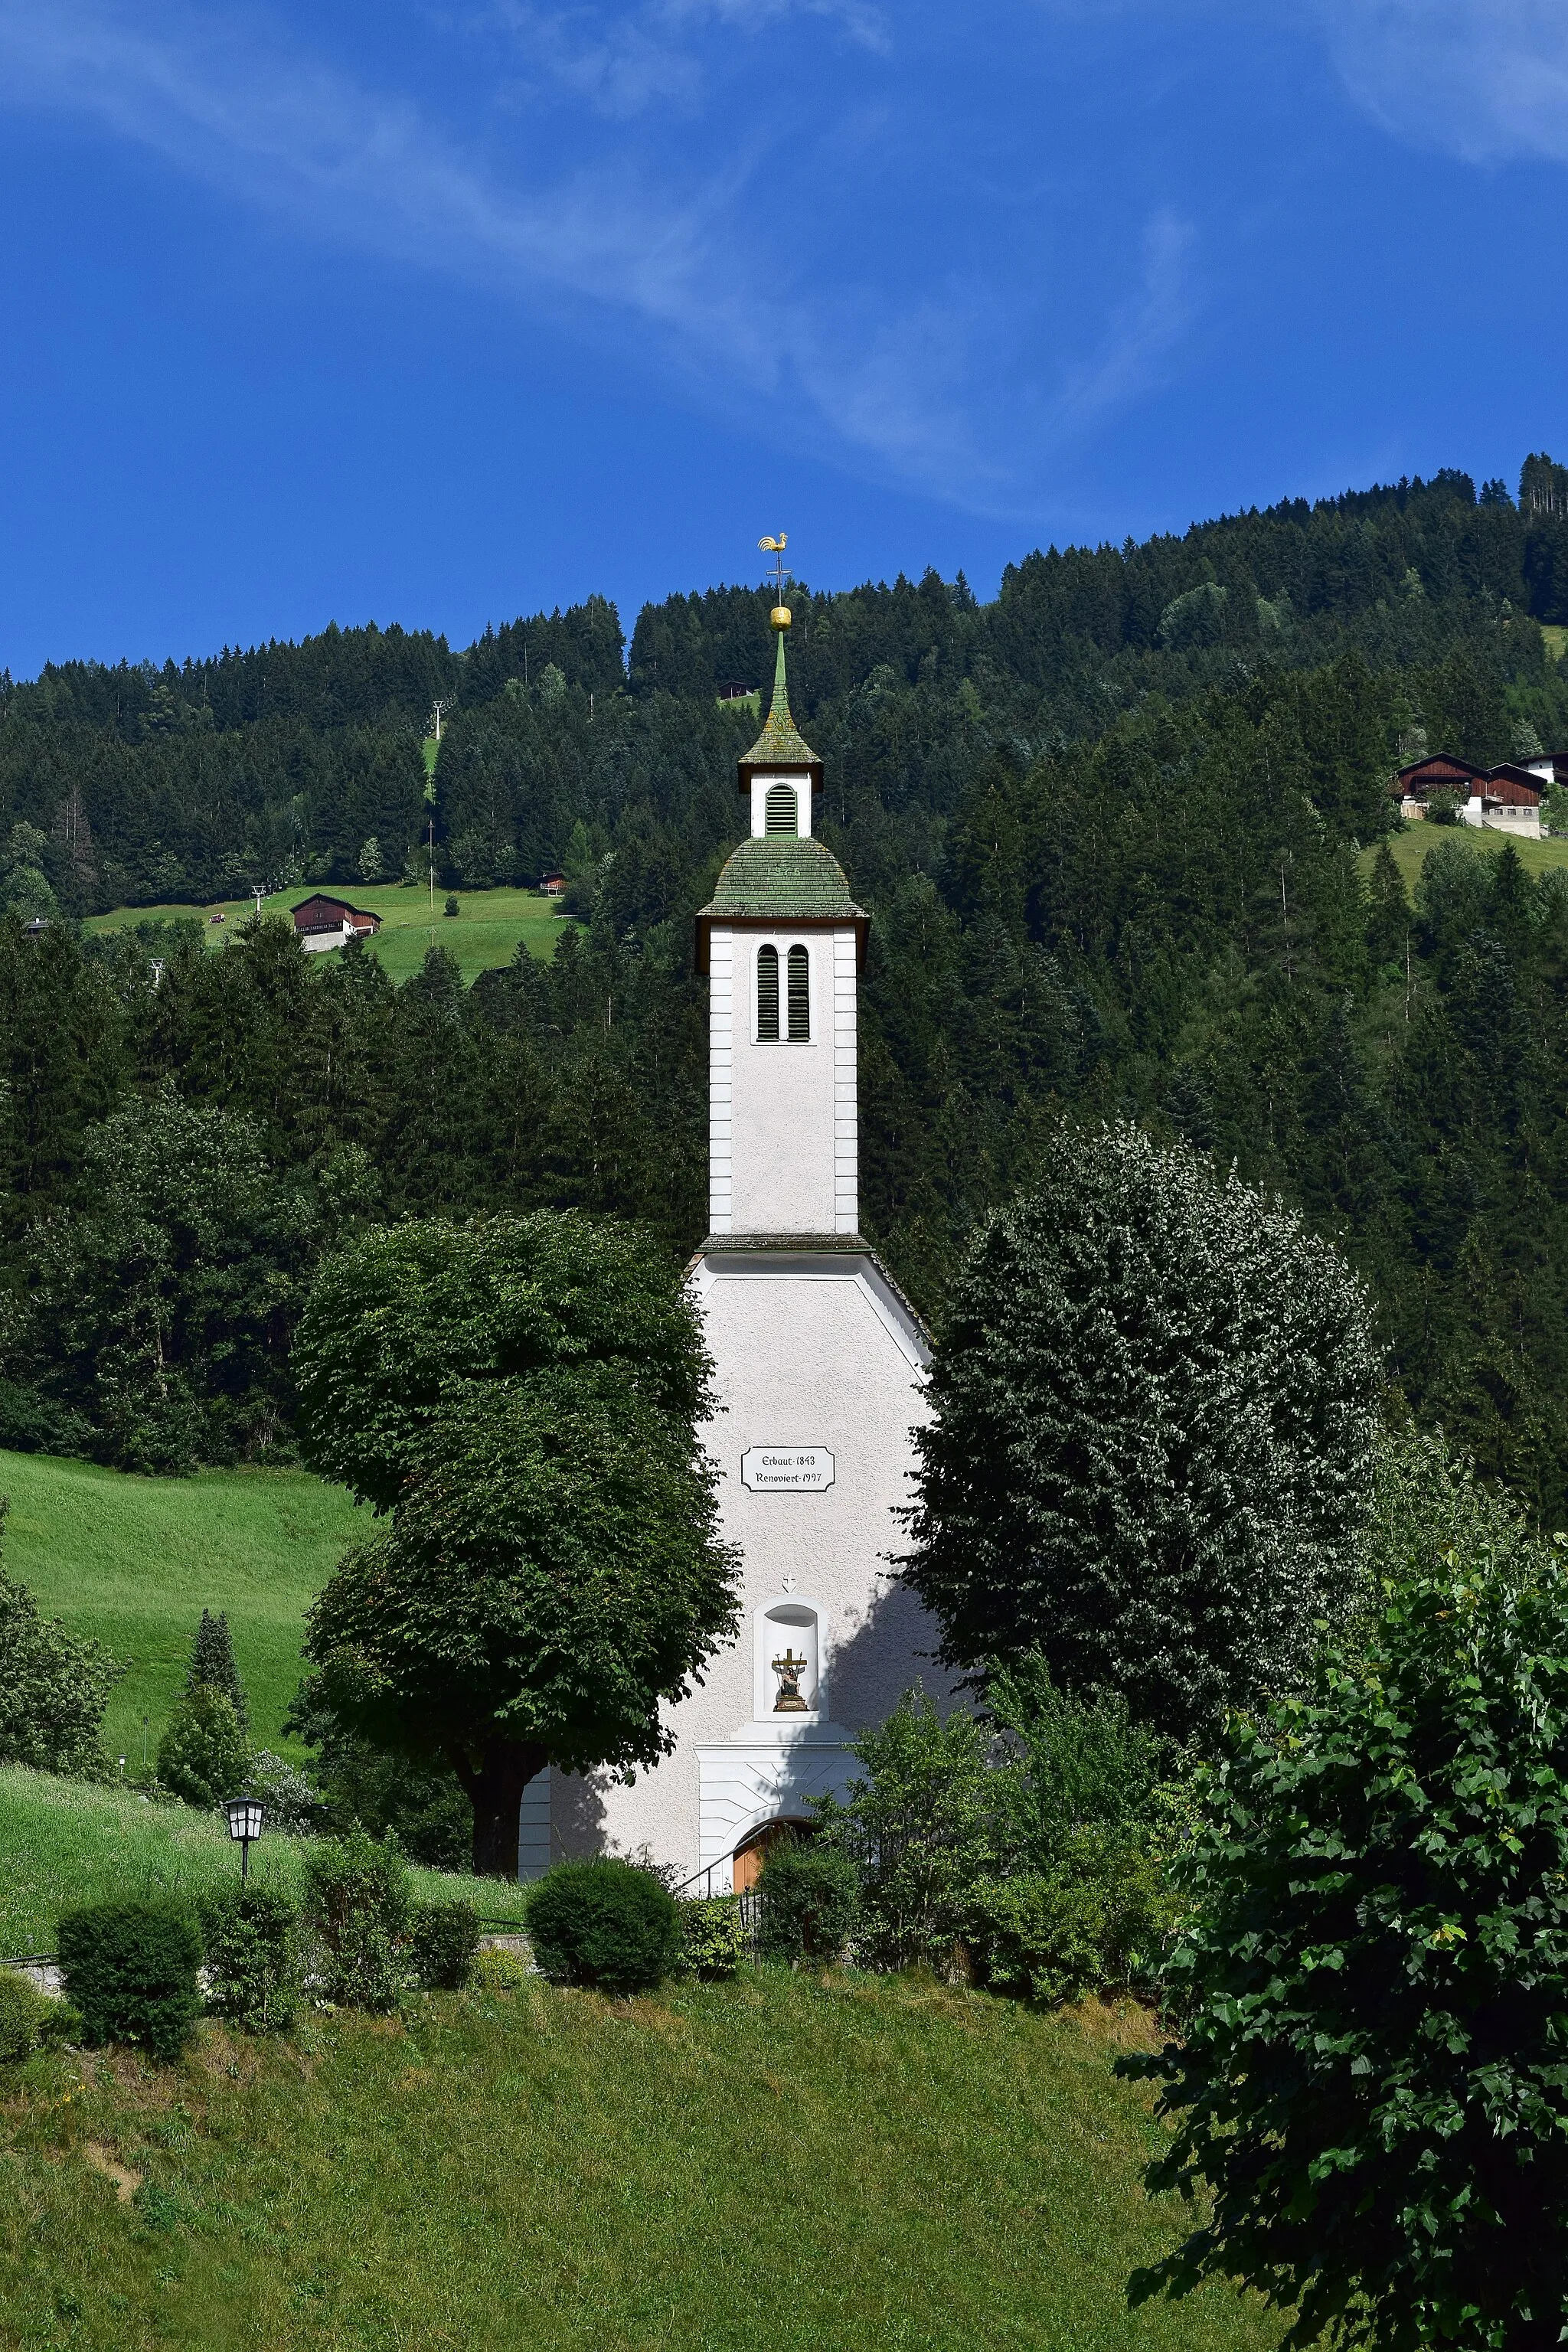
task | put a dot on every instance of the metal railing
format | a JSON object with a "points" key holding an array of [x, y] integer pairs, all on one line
{"points": [[700, 1884]]}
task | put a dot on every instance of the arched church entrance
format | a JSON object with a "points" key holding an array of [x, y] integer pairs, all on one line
{"points": [[753, 1851]]}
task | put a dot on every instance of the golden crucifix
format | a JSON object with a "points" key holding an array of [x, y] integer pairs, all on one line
{"points": [[789, 1670]]}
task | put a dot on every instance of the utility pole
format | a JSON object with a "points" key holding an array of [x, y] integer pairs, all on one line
{"points": [[438, 710]]}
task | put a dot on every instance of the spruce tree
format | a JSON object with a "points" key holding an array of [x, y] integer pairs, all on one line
{"points": [[212, 1665], [1387, 910]]}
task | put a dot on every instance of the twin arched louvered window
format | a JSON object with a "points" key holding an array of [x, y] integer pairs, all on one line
{"points": [[796, 1007]]}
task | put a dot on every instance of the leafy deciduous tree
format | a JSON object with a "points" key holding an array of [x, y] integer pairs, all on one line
{"points": [[519, 1396], [54, 1685], [1154, 1408], [1374, 1983]]}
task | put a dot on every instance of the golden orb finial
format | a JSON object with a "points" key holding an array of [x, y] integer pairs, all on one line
{"points": [[780, 617]]}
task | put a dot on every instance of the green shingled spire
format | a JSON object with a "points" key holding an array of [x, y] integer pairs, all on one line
{"points": [[780, 744]]}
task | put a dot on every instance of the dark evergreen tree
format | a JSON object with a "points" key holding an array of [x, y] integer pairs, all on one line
{"points": [[213, 1664], [1113, 870]]}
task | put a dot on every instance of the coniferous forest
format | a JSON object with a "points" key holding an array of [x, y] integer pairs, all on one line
{"points": [[1113, 829]]}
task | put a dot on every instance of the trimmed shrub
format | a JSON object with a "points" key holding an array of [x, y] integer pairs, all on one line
{"points": [[810, 1901], [29, 2020], [604, 1922], [250, 1936], [359, 1901], [715, 1936], [444, 1938], [499, 1971], [202, 1757], [130, 1969]]}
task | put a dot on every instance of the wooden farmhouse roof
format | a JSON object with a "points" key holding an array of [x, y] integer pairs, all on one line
{"points": [[1512, 786], [320, 913], [1439, 774]]}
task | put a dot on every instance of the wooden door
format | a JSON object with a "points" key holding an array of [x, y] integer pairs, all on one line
{"points": [[749, 1857]]}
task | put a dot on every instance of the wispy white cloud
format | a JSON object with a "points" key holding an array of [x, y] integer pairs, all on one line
{"points": [[668, 233], [1142, 332], [1484, 79], [267, 123], [623, 61]]}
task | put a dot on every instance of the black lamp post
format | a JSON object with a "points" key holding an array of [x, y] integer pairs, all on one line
{"points": [[244, 1823]]}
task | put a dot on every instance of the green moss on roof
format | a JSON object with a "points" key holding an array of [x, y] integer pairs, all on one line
{"points": [[782, 875], [780, 744]]}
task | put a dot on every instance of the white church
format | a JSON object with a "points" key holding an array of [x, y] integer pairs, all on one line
{"points": [[819, 1372]]}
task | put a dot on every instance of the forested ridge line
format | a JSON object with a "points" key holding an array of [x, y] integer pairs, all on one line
{"points": [[302, 763], [1112, 828]]}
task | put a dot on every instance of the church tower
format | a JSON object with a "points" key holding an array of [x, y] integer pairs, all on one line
{"points": [[783, 943], [818, 1367]]}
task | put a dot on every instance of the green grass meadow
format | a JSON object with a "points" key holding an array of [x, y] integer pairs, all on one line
{"points": [[65, 1841], [484, 933], [834, 2165], [134, 1561], [1419, 839]]}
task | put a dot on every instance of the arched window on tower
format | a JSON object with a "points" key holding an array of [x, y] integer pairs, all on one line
{"points": [[781, 810], [799, 996], [768, 993]]}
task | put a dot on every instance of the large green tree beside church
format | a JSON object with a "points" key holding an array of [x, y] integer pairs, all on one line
{"points": [[1154, 1407], [516, 1400]]}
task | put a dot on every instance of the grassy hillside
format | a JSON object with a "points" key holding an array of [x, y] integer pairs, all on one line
{"points": [[1410, 847], [483, 935], [135, 1562], [62, 1841], [870, 2166]]}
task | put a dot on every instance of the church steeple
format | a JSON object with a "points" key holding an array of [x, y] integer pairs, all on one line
{"points": [[781, 745], [782, 942]]}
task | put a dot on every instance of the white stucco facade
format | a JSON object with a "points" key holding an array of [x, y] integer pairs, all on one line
{"points": [[811, 1351], [783, 1124], [819, 1371], [798, 787]]}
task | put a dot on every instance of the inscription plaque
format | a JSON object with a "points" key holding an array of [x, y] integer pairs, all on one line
{"points": [[786, 1469]]}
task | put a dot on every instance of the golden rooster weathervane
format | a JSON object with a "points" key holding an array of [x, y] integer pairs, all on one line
{"points": [[775, 546]]}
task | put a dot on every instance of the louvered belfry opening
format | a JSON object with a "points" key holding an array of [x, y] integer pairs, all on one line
{"points": [[799, 995], [781, 810], [768, 993]]}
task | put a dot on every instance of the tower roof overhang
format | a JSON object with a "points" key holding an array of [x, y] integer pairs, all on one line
{"points": [[781, 882]]}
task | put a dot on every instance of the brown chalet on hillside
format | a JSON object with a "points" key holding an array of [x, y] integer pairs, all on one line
{"points": [[1507, 798], [320, 922]]}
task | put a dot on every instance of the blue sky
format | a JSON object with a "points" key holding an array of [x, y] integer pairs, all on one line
{"points": [[441, 312]]}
